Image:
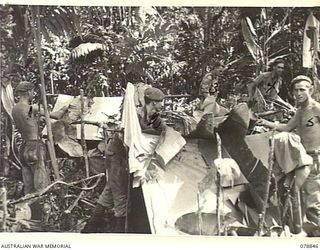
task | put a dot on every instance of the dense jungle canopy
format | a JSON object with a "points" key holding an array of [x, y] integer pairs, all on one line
{"points": [[100, 49]]}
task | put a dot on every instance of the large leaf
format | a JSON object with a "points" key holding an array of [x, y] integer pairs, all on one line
{"points": [[48, 24], [278, 52], [263, 14], [65, 18], [250, 25], [59, 22], [250, 41], [7, 98]]}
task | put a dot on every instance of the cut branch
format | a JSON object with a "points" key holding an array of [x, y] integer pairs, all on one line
{"points": [[83, 140], [36, 32]]}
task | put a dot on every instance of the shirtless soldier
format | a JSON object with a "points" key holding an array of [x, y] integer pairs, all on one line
{"points": [[25, 115], [307, 122]]}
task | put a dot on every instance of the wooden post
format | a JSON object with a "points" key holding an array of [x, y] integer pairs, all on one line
{"points": [[83, 139], [262, 215], [37, 36]]}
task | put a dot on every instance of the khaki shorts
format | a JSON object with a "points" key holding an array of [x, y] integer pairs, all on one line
{"points": [[34, 172]]}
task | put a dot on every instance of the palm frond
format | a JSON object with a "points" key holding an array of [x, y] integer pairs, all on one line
{"points": [[85, 48]]}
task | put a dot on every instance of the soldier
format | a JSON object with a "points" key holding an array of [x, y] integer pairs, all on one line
{"points": [[307, 122], [25, 115], [110, 213], [269, 84], [151, 123]]}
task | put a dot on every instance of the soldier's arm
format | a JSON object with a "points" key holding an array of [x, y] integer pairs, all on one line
{"points": [[155, 127], [151, 131], [253, 85], [54, 115], [283, 127], [59, 113]]}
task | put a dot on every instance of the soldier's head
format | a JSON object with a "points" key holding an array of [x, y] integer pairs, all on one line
{"points": [[302, 88], [205, 86], [278, 66], [25, 89], [153, 98]]}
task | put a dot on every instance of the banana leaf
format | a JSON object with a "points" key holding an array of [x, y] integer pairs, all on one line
{"points": [[250, 40], [7, 98], [250, 25]]}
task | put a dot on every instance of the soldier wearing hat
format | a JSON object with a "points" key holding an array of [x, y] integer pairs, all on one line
{"points": [[111, 210], [151, 123], [149, 117], [268, 85], [26, 118], [268, 82], [307, 122]]}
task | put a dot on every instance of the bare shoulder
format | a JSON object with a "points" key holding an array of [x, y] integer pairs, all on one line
{"points": [[19, 107], [316, 107], [262, 77]]}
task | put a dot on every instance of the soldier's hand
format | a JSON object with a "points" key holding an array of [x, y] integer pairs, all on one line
{"points": [[261, 122], [152, 172]]}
